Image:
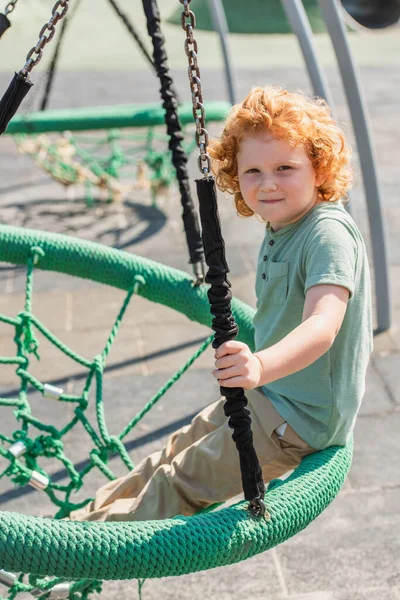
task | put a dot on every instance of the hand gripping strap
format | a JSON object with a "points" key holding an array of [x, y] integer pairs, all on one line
{"points": [[225, 328], [11, 101]]}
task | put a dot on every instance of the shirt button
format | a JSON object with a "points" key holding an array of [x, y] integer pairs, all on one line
{"points": [[263, 276], [265, 257], [271, 242]]}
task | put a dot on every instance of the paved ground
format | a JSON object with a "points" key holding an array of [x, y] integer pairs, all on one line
{"points": [[351, 551]]}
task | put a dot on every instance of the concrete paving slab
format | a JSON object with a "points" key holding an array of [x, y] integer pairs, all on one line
{"points": [[221, 582], [394, 335], [388, 367], [379, 592], [349, 547], [386, 342], [182, 333], [377, 400], [52, 309], [376, 451]]}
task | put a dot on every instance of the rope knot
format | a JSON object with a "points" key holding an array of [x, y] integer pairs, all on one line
{"points": [[49, 446], [101, 453], [37, 253], [29, 341], [98, 363], [138, 282], [116, 445]]}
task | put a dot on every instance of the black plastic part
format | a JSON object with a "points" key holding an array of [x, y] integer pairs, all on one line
{"points": [[226, 329], [373, 14], [4, 24], [12, 99]]}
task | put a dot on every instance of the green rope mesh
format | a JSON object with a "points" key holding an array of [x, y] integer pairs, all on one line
{"points": [[115, 162], [87, 552], [112, 155]]}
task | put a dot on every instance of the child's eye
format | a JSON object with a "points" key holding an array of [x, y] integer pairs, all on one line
{"points": [[284, 168], [253, 170]]}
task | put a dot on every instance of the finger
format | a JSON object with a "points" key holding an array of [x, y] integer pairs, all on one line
{"points": [[234, 382], [231, 347], [222, 374], [225, 362]]}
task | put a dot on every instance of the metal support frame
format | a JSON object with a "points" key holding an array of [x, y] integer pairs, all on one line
{"points": [[331, 12], [300, 24], [298, 21], [220, 25]]}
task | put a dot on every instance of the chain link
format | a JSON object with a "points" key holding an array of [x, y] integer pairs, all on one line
{"points": [[44, 39], [188, 21], [10, 7]]}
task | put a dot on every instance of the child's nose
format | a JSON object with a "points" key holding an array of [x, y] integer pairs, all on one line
{"points": [[268, 184]]}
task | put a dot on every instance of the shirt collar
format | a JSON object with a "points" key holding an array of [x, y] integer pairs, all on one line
{"points": [[281, 232]]}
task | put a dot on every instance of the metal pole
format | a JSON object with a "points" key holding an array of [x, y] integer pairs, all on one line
{"points": [[220, 25], [330, 10], [300, 25]]}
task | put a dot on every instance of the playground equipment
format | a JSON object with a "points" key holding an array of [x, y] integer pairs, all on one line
{"points": [[366, 14], [114, 149], [85, 552]]}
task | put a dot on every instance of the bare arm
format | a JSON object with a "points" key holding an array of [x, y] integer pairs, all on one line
{"points": [[323, 314], [324, 310]]}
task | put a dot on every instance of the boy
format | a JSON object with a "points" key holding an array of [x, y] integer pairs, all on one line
{"points": [[286, 161]]}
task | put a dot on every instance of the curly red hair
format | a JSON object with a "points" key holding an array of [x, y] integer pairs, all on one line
{"points": [[296, 119]]}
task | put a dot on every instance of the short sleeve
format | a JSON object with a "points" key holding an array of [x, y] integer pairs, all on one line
{"points": [[330, 256]]}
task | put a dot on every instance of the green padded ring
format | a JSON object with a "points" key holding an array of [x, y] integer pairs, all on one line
{"points": [[175, 546], [97, 262], [108, 117]]}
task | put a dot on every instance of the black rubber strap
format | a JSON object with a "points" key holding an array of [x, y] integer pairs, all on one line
{"points": [[226, 329], [179, 158], [12, 99], [4, 24]]}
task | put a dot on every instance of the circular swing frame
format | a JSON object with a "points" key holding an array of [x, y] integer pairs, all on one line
{"points": [[180, 545]]}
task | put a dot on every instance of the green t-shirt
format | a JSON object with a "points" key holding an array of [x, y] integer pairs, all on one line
{"points": [[320, 402]]}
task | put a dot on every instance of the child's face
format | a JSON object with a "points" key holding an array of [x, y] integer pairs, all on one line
{"points": [[277, 181]]}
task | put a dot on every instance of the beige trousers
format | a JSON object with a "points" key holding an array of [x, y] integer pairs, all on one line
{"points": [[199, 466]]}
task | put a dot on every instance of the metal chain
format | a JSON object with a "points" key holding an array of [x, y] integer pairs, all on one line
{"points": [[45, 39], [10, 7], [188, 21]]}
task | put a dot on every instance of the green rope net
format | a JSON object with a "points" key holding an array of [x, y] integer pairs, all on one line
{"points": [[76, 555], [114, 161]]}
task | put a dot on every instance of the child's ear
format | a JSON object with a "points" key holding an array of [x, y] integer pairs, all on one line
{"points": [[319, 180]]}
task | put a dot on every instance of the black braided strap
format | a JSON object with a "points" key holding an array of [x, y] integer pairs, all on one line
{"points": [[11, 101], [179, 158], [219, 296], [4, 24]]}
